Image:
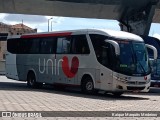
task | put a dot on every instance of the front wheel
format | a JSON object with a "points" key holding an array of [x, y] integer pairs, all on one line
{"points": [[87, 86]]}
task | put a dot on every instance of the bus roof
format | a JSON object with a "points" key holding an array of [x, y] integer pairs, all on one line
{"points": [[110, 33], [120, 34]]}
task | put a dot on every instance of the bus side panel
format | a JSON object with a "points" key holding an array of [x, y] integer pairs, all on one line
{"points": [[84, 67], [37, 64], [45, 68], [106, 79], [82, 71], [11, 67], [89, 68], [21, 64], [62, 70], [26, 63]]}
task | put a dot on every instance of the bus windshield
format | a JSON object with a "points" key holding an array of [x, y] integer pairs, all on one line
{"points": [[133, 58]]}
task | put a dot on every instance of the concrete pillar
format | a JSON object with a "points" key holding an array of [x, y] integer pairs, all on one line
{"points": [[139, 22]]}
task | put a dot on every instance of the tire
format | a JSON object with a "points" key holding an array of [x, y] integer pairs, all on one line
{"points": [[87, 86], [117, 94], [31, 81]]}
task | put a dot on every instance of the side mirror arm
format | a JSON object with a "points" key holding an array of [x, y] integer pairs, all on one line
{"points": [[116, 46], [155, 53]]}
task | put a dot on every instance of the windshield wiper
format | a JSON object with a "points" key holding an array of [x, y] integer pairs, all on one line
{"points": [[142, 68], [136, 61]]}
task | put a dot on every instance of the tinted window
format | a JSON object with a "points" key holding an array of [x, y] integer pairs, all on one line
{"points": [[47, 45], [24, 46], [12, 45], [76, 44], [79, 45], [63, 45], [103, 50], [34, 49]]}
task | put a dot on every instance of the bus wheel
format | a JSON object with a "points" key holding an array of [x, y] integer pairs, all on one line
{"points": [[31, 81], [117, 94], [87, 86]]}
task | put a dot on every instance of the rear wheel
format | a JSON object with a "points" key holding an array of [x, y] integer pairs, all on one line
{"points": [[31, 81], [87, 86]]}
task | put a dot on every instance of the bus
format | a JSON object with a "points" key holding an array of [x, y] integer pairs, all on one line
{"points": [[92, 59], [155, 64]]}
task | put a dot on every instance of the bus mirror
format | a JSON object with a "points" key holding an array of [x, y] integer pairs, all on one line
{"points": [[116, 46], [155, 53]]}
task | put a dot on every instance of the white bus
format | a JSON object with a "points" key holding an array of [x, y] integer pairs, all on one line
{"points": [[113, 61]]}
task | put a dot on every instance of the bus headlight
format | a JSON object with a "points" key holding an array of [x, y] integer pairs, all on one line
{"points": [[124, 80], [145, 78]]}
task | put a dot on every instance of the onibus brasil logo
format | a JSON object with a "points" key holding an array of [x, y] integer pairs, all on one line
{"points": [[70, 70]]}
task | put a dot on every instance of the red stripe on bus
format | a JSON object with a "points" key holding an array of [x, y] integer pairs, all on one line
{"points": [[46, 35]]}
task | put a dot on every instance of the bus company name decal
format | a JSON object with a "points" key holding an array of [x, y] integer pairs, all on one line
{"points": [[69, 71]]}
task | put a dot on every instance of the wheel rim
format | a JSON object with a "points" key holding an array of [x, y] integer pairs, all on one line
{"points": [[89, 86]]}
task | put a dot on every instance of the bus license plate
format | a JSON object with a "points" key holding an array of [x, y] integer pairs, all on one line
{"points": [[155, 85], [136, 91]]}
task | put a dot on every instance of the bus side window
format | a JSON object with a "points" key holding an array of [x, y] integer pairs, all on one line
{"points": [[63, 45], [103, 51], [25, 45], [80, 45], [47, 45], [34, 46], [105, 55], [12, 45]]}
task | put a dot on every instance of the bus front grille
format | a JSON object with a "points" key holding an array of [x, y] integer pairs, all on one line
{"points": [[135, 88], [136, 83]]}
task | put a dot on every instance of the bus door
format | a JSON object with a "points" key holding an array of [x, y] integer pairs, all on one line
{"points": [[107, 54]]}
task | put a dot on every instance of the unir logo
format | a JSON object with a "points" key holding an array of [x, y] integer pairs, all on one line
{"points": [[69, 71]]}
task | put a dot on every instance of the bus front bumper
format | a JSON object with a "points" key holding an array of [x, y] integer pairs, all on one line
{"points": [[131, 88]]}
